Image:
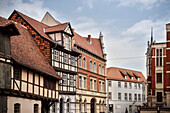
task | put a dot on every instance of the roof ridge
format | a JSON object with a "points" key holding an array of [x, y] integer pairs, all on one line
{"points": [[125, 69]]}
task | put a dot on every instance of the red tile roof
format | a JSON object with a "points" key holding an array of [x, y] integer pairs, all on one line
{"points": [[25, 51], [114, 73], [59, 27], [93, 47], [38, 26]]}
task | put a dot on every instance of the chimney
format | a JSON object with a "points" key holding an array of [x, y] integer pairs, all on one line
{"points": [[89, 38], [168, 31]]}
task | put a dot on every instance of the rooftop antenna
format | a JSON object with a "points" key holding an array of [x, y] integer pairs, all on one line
{"points": [[151, 35]]}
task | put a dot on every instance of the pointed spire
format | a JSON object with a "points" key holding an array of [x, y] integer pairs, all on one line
{"points": [[151, 35], [100, 34]]}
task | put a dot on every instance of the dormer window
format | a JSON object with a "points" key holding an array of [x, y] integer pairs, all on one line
{"points": [[138, 79], [131, 78], [125, 77]]}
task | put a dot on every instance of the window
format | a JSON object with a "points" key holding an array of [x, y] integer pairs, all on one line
{"points": [[94, 66], [125, 77], [139, 98], [139, 85], [53, 108], [35, 108], [135, 85], [91, 65], [99, 85], [99, 69], [79, 61], [159, 77], [50, 83], [119, 84], [85, 82], [125, 96], [159, 96], [125, 84], [91, 84], [84, 63], [130, 108], [119, 96], [84, 106], [138, 78], [71, 80], [64, 79], [143, 97], [67, 43], [110, 95], [103, 86], [79, 81], [17, 72], [158, 57], [73, 61], [135, 97], [68, 105], [56, 55], [109, 83], [80, 106], [130, 85], [17, 108], [131, 78], [95, 85], [130, 97], [102, 70]]}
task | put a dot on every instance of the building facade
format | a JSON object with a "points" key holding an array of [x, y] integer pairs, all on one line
{"points": [[158, 72], [124, 90], [55, 42], [28, 83], [91, 78]]}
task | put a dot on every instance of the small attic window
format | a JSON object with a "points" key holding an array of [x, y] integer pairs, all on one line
{"points": [[131, 78], [138, 78], [125, 77]]}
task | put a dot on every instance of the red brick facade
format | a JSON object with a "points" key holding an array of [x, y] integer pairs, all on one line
{"points": [[43, 44]]}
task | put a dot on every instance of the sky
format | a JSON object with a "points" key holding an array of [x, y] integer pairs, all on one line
{"points": [[125, 24]]}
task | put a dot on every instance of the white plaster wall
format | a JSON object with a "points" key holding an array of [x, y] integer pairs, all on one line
{"points": [[26, 105], [123, 103]]}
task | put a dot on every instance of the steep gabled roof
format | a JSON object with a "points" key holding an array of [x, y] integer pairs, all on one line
{"points": [[55, 28], [38, 26], [25, 51], [114, 73], [93, 47]]}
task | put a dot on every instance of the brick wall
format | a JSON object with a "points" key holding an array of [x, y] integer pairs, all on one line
{"points": [[43, 44]]}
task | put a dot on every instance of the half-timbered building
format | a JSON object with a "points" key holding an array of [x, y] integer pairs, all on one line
{"points": [[55, 42], [28, 83]]}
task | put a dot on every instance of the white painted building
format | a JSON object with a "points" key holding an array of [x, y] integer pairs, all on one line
{"points": [[124, 90]]}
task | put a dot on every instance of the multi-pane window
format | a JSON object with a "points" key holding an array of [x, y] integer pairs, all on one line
{"points": [[80, 82], [71, 80], [139, 97], [94, 66], [91, 84], [125, 96], [85, 83], [99, 69], [56, 55], [50, 83], [130, 108], [84, 63], [119, 96], [73, 61], [119, 84], [130, 97], [109, 83], [158, 57], [130, 85], [65, 58], [135, 97], [17, 72], [159, 77], [95, 85], [125, 84], [91, 65], [17, 108], [67, 43], [64, 79], [102, 70], [79, 61], [143, 97], [35, 108], [110, 95]]}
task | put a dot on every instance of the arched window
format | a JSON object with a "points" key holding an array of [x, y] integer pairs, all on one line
{"points": [[94, 66], [80, 105], [35, 108], [85, 106], [99, 69], [84, 63], [102, 70], [80, 62], [68, 105], [17, 108], [91, 65]]}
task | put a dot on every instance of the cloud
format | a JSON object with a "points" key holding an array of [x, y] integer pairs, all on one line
{"points": [[32, 8]]}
